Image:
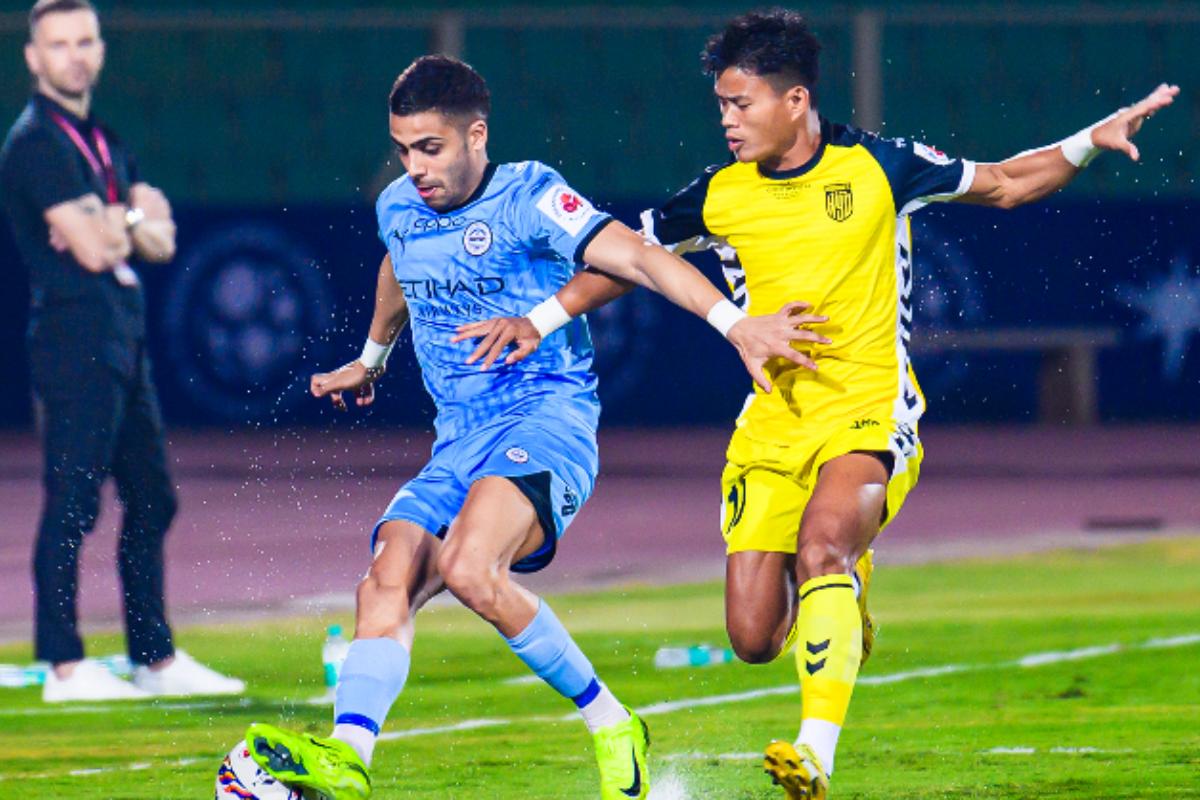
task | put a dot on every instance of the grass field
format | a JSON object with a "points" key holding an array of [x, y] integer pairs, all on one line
{"points": [[945, 708]]}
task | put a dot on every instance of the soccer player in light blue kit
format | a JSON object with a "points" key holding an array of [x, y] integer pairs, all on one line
{"points": [[515, 457]]}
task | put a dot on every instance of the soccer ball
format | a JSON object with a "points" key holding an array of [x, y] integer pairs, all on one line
{"points": [[239, 778]]}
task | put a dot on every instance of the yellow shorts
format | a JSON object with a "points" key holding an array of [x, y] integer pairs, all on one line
{"points": [[766, 486]]}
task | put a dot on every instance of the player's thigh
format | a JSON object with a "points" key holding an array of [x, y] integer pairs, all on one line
{"points": [[761, 509], [760, 519], [844, 514], [496, 527], [552, 460]]}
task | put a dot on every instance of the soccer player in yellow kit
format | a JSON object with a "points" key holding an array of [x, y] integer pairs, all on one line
{"points": [[815, 211]]}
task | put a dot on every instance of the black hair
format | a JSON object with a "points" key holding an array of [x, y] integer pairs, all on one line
{"points": [[43, 8], [440, 83], [775, 44]]}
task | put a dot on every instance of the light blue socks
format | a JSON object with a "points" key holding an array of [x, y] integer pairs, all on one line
{"points": [[548, 650]]}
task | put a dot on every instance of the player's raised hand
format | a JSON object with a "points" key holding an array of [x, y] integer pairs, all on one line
{"points": [[353, 377], [758, 339], [495, 335], [1117, 133]]}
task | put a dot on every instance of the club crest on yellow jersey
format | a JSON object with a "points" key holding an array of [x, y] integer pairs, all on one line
{"points": [[839, 201]]}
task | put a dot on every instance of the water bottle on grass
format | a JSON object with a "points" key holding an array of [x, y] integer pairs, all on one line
{"points": [[333, 653], [698, 655]]}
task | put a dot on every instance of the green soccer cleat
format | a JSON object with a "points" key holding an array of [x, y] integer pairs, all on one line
{"points": [[798, 771], [621, 756], [863, 569], [326, 768]]}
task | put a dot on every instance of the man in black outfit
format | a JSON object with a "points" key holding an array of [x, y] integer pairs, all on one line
{"points": [[79, 210]]}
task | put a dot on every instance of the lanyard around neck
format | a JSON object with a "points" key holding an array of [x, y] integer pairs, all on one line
{"points": [[102, 166]]}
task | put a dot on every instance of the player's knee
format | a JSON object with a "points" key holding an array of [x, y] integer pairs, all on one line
{"points": [[382, 610], [474, 584], [826, 545], [754, 648], [750, 642]]}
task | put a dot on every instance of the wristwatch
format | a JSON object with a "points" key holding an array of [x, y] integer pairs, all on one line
{"points": [[132, 217]]}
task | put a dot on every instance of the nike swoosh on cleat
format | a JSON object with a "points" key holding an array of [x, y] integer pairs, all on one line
{"points": [[636, 788]]}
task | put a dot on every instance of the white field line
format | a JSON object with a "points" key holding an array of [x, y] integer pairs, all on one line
{"points": [[1069, 751], [126, 705], [1031, 660]]}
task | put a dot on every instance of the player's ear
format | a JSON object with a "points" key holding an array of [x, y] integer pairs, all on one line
{"points": [[31, 59], [477, 134], [799, 101]]}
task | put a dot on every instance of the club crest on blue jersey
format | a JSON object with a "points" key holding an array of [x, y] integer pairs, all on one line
{"points": [[477, 238], [517, 455]]}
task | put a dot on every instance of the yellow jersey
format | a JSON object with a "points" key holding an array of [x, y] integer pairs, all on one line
{"points": [[834, 233]]}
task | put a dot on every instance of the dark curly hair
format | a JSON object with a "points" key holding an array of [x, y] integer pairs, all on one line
{"points": [[777, 45], [440, 83]]}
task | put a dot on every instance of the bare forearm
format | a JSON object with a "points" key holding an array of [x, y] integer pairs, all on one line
{"points": [[624, 254], [1025, 178], [154, 240], [1033, 175], [590, 289], [391, 309], [677, 280]]}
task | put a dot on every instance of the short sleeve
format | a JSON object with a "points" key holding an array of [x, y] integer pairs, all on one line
{"points": [[561, 218], [920, 174], [45, 173], [681, 217]]}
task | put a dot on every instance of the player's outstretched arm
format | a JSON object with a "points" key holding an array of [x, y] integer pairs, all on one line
{"points": [[624, 254], [588, 290], [359, 376], [1034, 174]]}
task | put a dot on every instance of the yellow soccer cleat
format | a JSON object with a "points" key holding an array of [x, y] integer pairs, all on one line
{"points": [[863, 569], [621, 756], [798, 771], [324, 768]]}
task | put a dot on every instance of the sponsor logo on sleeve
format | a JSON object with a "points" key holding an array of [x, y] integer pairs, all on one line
{"points": [[566, 209], [931, 154], [517, 455]]}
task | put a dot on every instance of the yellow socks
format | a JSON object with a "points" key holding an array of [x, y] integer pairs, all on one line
{"points": [[828, 654]]}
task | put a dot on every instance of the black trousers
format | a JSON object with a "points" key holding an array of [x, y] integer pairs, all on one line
{"points": [[99, 421]]}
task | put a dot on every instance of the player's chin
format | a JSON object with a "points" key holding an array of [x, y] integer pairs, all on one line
{"points": [[746, 153]]}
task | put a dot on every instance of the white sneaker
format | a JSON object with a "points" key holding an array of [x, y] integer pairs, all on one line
{"points": [[185, 676], [89, 681]]}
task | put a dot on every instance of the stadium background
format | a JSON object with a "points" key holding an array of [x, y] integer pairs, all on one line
{"points": [[266, 125]]}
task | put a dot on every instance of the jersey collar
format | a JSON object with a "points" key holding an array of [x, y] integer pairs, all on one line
{"points": [[807, 166], [488, 172]]}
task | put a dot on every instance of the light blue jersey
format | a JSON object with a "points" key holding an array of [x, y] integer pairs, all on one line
{"points": [[513, 243]]}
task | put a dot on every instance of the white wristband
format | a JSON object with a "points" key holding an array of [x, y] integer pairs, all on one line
{"points": [[724, 315], [1078, 148], [548, 316], [374, 354]]}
